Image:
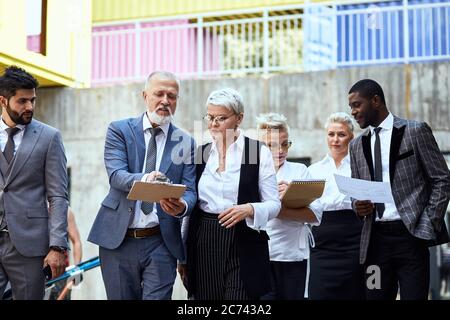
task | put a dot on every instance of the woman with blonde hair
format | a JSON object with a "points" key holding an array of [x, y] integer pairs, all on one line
{"points": [[335, 270], [290, 235]]}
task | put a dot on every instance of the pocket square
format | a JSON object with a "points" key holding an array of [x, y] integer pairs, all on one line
{"points": [[405, 155]]}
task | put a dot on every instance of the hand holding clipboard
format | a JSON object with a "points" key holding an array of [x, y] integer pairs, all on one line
{"points": [[301, 193]]}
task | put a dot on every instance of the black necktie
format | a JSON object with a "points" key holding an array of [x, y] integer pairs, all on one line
{"points": [[10, 146], [150, 164], [378, 169]]}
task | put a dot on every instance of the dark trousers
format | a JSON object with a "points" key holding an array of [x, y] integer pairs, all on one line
{"points": [[217, 264], [288, 279], [403, 261]]}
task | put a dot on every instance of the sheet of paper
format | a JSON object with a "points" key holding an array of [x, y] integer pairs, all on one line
{"points": [[375, 191]]}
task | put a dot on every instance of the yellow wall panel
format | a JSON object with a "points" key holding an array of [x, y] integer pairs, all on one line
{"points": [[114, 10], [68, 41]]}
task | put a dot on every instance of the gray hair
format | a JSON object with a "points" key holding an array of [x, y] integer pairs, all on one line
{"points": [[272, 120], [162, 74], [228, 98], [340, 117]]}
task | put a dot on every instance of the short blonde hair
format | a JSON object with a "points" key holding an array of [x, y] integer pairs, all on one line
{"points": [[228, 98], [272, 120], [340, 117]]}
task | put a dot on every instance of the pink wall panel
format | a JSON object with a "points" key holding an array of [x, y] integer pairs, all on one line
{"points": [[114, 55]]}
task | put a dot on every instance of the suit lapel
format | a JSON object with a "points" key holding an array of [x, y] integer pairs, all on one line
{"points": [[397, 135], [166, 160], [368, 152], [138, 135], [29, 141]]}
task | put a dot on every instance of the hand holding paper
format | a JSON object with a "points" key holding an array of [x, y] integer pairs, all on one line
{"points": [[364, 207]]}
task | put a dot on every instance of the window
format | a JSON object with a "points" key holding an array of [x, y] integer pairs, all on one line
{"points": [[35, 25]]}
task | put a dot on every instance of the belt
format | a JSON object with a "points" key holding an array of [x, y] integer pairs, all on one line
{"points": [[143, 233]]}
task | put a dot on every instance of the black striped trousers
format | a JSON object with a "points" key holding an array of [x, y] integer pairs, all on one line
{"points": [[217, 262]]}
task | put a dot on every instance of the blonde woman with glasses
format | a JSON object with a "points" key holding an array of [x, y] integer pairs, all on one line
{"points": [[290, 236]]}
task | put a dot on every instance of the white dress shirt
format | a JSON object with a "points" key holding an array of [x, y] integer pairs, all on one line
{"points": [[140, 219], [290, 239], [390, 211], [17, 137], [218, 191], [325, 169]]}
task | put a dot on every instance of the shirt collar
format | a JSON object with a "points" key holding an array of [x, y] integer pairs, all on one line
{"points": [[238, 144], [4, 126], [147, 125], [388, 124], [329, 159]]}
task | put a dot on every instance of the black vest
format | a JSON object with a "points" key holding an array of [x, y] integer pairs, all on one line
{"points": [[252, 246]]}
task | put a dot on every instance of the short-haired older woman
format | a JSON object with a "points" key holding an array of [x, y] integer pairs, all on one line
{"points": [[335, 269], [227, 247], [289, 235]]}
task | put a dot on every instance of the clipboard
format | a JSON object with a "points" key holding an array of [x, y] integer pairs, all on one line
{"points": [[301, 193], [155, 191]]}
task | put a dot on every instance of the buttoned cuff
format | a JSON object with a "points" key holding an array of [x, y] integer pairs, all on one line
{"points": [[260, 217]]}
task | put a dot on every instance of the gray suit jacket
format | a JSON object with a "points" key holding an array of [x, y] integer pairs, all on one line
{"points": [[420, 179], [124, 160], [36, 175]]}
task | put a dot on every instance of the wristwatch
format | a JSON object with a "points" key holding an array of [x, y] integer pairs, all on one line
{"points": [[59, 249]]}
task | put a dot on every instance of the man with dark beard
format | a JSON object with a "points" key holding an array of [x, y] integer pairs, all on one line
{"points": [[32, 172], [140, 242]]}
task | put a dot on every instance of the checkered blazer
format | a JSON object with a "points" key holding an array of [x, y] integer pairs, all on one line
{"points": [[420, 180]]}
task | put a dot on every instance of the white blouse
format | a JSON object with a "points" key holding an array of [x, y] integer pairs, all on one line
{"points": [[218, 191], [289, 239], [325, 169]]}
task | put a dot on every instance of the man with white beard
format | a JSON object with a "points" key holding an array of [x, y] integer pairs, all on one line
{"points": [[140, 242]]}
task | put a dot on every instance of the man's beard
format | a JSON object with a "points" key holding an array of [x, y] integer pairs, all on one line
{"points": [[160, 120], [19, 119]]}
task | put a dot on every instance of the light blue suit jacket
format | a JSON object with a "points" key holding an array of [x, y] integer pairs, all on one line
{"points": [[124, 159]]}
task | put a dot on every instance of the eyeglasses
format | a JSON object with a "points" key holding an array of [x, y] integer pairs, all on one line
{"points": [[220, 119], [285, 145]]}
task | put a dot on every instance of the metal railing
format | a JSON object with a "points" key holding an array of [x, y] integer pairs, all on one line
{"points": [[277, 39]]}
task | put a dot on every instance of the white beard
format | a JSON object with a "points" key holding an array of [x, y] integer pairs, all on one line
{"points": [[159, 120]]}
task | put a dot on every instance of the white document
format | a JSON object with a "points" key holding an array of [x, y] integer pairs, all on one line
{"points": [[375, 191]]}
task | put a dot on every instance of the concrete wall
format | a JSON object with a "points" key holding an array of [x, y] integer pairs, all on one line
{"points": [[419, 91]]}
